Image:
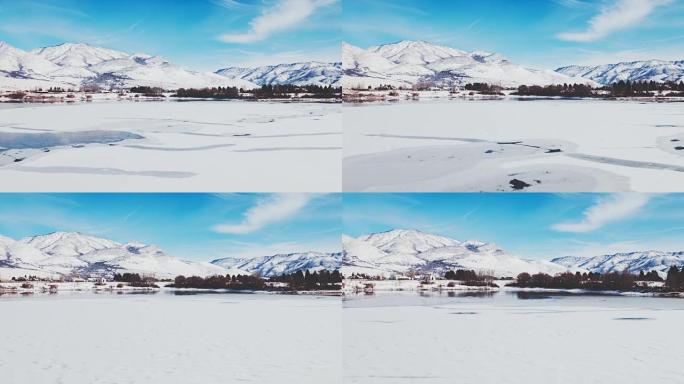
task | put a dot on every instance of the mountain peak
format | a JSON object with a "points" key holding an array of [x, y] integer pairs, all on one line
{"points": [[407, 63]]}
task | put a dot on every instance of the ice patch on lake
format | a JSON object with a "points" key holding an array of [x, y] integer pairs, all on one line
{"points": [[161, 338], [187, 147], [436, 339], [458, 145]]}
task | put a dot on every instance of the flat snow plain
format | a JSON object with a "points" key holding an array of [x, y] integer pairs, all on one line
{"points": [[511, 338], [550, 145], [161, 338], [171, 146]]}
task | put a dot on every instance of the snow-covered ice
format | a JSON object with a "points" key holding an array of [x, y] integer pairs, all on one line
{"points": [[171, 146], [161, 338], [511, 338], [549, 145]]}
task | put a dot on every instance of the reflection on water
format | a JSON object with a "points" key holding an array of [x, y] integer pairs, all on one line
{"points": [[530, 295]]}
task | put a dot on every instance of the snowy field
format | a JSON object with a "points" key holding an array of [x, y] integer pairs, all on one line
{"points": [[546, 145], [143, 338], [163, 146], [511, 338]]}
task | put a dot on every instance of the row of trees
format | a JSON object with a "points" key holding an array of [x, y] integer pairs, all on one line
{"points": [[305, 281], [612, 281], [148, 91], [320, 280], [284, 91], [471, 278], [265, 92], [619, 89], [135, 280], [617, 281], [238, 282], [565, 90], [484, 88]]}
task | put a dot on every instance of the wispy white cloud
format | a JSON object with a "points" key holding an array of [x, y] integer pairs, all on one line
{"points": [[571, 3], [231, 4], [249, 58], [282, 15], [605, 211], [591, 57], [246, 250], [267, 211], [620, 15]]}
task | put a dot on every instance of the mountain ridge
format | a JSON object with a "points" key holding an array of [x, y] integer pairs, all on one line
{"points": [[400, 252], [407, 63], [72, 253], [76, 65], [299, 73], [640, 70]]}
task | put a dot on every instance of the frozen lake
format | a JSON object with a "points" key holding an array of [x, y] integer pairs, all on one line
{"points": [[171, 146], [509, 338], [162, 338], [546, 145]]}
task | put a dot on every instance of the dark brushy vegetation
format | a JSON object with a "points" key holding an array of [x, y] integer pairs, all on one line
{"points": [[265, 92], [305, 281], [471, 278], [612, 281], [298, 281], [618, 89]]}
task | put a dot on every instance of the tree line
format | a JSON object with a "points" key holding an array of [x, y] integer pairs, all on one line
{"points": [[265, 92], [298, 281], [135, 280], [306, 281], [621, 88], [612, 281], [236, 282], [484, 88]]}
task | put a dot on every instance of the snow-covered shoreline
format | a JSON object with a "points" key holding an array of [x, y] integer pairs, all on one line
{"points": [[41, 288], [388, 287]]}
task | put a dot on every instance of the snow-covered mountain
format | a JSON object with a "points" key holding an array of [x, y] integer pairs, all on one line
{"points": [[284, 263], [70, 253], [651, 70], [411, 251], [407, 63], [633, 262], [307, 73], [75, 65]]}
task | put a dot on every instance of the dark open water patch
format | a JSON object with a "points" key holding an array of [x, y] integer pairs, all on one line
{"points": [[634, 318], [463, 313], [12, 140]]}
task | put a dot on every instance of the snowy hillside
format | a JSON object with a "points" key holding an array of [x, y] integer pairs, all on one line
{"points": [[406, 251], [74, 65], [308, 73], [284, 263], [407, 63], [652, 70], [633, 262], [70, 253]]}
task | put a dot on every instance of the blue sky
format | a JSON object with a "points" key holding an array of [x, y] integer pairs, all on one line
{"points": [[192, 226], [537, 33], [200, 34], [531, 225]]}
